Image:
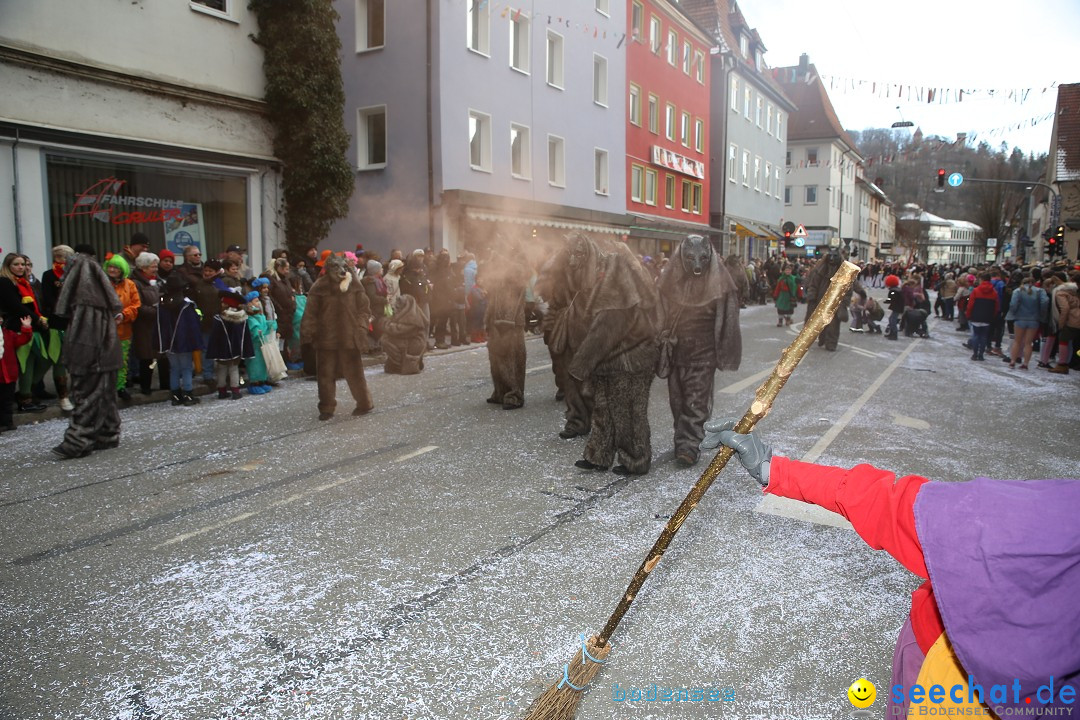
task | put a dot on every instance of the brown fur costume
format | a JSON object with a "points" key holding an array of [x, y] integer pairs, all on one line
{"points": [[504, 322], [701, 304], [618, 352], [815, 285], [335, 323], [565, 325], [405, 337]]}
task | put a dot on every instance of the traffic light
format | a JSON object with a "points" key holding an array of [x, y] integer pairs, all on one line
{"points": [[941, 177], [1055, 244], [817, 251]]}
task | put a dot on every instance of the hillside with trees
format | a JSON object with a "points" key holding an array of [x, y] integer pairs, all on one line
{"points": [[904, 165]]}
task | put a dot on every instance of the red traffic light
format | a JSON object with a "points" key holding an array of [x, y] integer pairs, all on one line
{"points": [[941, 177]]}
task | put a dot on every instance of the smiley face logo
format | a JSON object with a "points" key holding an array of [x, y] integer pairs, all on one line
{"points": [[862, 693]]}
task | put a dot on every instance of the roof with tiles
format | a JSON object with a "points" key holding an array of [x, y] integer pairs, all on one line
{"points": [[1067, 130], [816, 118]]}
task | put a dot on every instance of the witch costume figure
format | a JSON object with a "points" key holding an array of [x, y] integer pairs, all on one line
{"points": [[816, 284], [504, 322], [91, 353], [617, 355], [700, 305], [996, 623], [404, 337]]}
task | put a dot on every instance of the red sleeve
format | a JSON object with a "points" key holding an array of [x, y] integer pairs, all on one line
{"points": [[878, 505]]}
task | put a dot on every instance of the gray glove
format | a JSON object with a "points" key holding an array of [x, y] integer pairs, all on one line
{"points": [[753, 454]]}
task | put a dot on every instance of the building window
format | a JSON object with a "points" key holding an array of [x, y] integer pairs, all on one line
{"points": [[520, 152], [370, 24], [371, 137], [555, 75], [669, 131], [768, 179], [635, 105], [696, 208], [757, 173], [760, 110], [669, 191], [768, 126], [650, 186], [699, 135], [599, 75], [779, 120], [684, 129], [687, 196], [479, 141], [519, 43], [220, 8], [478, 30], [811, 157], [747, 96], [787, 158], [637, 183], [699, 66], [787, 196], [600, 171], [735, 94], [556, 161], [732, 159], [811, 194], [686, 54], [746, 168], [603, 7], [654, 34], [672, 48], [654, 114], [637, 19]]}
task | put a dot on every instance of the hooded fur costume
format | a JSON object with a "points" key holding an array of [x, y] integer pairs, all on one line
{"points": [[504, 321], [617, 354], [335, 323], [816, 284], [565, 325], [404, 337], [91, 354], [702, 313]]}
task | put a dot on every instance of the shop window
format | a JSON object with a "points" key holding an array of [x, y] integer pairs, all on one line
{"points": [[103, 202]]}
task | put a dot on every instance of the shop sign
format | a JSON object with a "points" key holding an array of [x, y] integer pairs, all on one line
{"points": [[679, 163], [102, 202]]}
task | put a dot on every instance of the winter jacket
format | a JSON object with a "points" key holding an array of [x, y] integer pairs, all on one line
{"points": [[128, 295], [895, 300], [144, 335], [9, 361], [983, 305], [786, 294], [1027, 305], [1067, 306]]}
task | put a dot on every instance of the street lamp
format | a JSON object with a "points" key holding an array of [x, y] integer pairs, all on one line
{"points": [[902, 123]]}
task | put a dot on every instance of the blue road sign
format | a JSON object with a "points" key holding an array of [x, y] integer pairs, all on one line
{"points": [[956, 180], [799, 242]]}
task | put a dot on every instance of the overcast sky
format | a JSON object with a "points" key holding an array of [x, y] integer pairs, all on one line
{"points": [[971, 44]]}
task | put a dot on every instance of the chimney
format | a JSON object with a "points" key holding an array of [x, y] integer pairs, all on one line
{"points": [[804, 65]]}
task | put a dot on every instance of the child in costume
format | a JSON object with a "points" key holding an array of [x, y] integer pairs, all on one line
{"points": [[1001, 560], [119, 272], [261, 332], [229, 343]]}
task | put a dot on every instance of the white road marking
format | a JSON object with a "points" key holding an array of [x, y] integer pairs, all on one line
{"points": [[415, 453], [773, 505], [538, 368], [910, 422], [743, 384]]}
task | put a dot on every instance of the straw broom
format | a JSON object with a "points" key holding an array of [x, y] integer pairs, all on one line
{"points": [[560, 701]]}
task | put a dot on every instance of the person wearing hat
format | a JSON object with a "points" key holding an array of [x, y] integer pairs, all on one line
{"points": [[236, 253], [139, 243], [91, 354], [895, 302], [261, 331], [166, 264], [119, 273], [229, 343]]}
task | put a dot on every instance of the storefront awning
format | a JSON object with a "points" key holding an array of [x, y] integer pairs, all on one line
{"points": [[647, 224], [548, 222], [752, 230]]}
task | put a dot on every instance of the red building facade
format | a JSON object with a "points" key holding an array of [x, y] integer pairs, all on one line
{"points": [[667, 125]]}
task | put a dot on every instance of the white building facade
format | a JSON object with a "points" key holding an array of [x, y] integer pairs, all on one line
{"points": [[120, 118]]}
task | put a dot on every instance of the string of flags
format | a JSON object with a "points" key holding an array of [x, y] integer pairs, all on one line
{"points": [[507, 10], [911, 92]]}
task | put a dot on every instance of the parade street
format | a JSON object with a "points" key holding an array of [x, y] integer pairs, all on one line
{"points": [[440, 556]]}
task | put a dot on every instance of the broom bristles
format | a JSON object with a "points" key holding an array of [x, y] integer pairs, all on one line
{"points": [[560, 701]]}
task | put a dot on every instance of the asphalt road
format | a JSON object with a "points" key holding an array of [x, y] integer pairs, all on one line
{"points": [[440, 557]]}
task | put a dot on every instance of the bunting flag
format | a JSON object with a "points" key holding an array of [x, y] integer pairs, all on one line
{"points": [[919, 93]]}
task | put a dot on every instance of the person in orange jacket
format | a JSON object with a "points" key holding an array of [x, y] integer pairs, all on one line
{"points": [[996, 622], [119, 272]]}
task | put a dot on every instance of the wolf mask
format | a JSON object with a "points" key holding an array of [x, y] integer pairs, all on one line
{"points": [[338, 271], [696, 252]]}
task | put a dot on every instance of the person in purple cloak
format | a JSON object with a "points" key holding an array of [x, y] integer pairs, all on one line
{"points": [[995, 627]]}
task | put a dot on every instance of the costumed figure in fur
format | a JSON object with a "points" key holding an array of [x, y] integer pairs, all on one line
{"points": [[91, 353], [404, 338], [701, 316], [504, 321], [565, 325], [229, 343], [815, 286], [261, 332], [617, 355], [335, 323]]}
